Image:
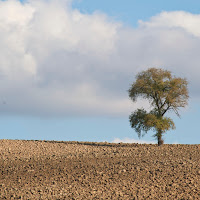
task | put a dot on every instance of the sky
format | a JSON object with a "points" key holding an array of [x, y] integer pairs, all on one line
{"points": [[66, 66]]}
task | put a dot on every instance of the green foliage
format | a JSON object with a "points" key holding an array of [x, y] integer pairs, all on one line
{"points": [[139, 122], [142, 121], [165, 93]]}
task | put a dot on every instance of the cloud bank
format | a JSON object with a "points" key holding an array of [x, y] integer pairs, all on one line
{"points": [[57, 61]]}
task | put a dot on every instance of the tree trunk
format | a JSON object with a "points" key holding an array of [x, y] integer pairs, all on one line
{"points": [[159, 136]]}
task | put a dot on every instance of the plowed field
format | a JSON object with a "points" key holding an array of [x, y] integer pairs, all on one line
{"points": [[84, 170]]}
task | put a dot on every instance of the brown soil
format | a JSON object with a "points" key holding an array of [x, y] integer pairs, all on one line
{"points": [[81, 170]]}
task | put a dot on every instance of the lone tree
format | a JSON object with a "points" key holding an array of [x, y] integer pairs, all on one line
{"points": [[164, 93]]}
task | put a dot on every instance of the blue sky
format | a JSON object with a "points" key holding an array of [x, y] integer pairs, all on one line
{"points": [[66, 67], [130, 11]]}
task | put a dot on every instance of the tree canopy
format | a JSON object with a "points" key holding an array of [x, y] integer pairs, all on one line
{"points": [[164, 93]]}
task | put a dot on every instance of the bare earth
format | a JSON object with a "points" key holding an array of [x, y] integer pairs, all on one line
{"points": [[84, 170]]}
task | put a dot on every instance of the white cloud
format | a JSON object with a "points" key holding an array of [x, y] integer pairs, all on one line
{"points": [[57, 61], [175, 20], [131, 140]]}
